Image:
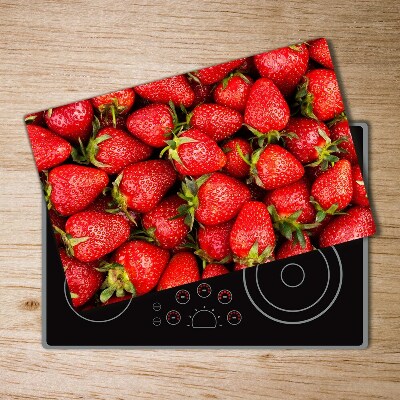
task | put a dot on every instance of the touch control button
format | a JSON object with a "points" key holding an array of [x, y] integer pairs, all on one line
{"points": [[204, 290], [173, 317], [182, 296], [234, 317], [225, 296], [156, 321], [156, 306]]}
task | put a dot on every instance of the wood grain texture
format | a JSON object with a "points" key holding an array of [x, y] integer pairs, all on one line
{"points": [[54, 52]]}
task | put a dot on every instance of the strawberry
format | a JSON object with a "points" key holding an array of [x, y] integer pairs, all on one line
{"points": [[217, 122], [238, 267], [195, 153], [72, 122], [252, 238], [312, 143], [212, 199], [143, 263], [233, 92], [360, 196], [141, 186], [235, 165], [48, 149], [340, 129], [36, 118], [59, 222], [83, 279], [319, 52], [273, 167], [266, 109], [356, 223], [319, 95], [333, 189], [175, 89], [106, 205], [213, 270], [152, 124], [111, 105], [214, 242], [248, 67], [284, 66], [90, 235], [120, 122], [111, 150], [71, 188], [210, 75], [202, 93], [181, 269], [292, 248], [290, 199], [168, 232]]}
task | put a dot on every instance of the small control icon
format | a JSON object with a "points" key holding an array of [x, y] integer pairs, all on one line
{"points": [[234, 317], [156, 321], [173, 317], [224, 296], [204, 290], [156, 306], [182, 296]]}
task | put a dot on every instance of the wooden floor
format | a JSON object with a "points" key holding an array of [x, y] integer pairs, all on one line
{"points": [[52, 53]]}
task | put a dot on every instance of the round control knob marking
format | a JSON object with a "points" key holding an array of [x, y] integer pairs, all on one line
{"points": [[234, 317], [182, 296], [224, 296], [204, 290], [173, 317], [156, 321], [156, 306]]}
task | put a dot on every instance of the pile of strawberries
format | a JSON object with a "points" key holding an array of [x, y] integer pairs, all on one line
{"points": [[197, 175]]}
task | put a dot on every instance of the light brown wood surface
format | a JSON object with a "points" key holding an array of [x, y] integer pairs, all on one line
{"points": [[52, 53]]}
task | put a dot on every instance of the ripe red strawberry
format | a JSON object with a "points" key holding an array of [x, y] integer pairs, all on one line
{"points": [[210, 75], [214, 242], [72, 122], [233, 92], [143, 262], [291, 248], [213, 270], [202, 93], [141, 186], [319, 95], [312, 142], [319, 52], [290, 199], [90, 235], [356, 223], [195, 153], [235, 165], [284, 66], [360, 196], [59, 222], [175, 89], [274, 167], [334, 186], [168, 232], [71, 188], [341, 129], [266, 109], [181, 269], [252, 238], [217, 122], [111, 105], [112, 150], [48, 149], [213, 199], [106, 205], [82, 278], [36, 118], [152, 124], [238, 267]]}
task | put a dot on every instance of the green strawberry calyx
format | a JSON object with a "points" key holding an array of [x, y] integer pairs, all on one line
{"points": [[47, 191], [113, 108], [322, 213], [226, 80], [117, 281], [207, 259], [326, 154], [270, 137], [30, 119], [252, 162], [120, 200], [88, 155], [189, 190], [338, 118], [304, 100], [145, 234], [254, 257], [289, 226], [69, 241]]}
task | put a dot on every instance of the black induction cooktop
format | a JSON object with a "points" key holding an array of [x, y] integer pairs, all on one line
{"points": [[317, 299]]}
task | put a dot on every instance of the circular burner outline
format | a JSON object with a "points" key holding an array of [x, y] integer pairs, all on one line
{"points": [[311, 318], [88, 319], [302, 270], [300, 309]]}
